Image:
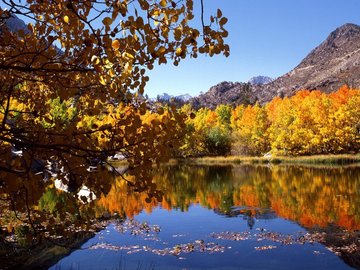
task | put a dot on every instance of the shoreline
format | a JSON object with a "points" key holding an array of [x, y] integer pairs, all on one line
{"points": [[313, 160], [341, 159]]}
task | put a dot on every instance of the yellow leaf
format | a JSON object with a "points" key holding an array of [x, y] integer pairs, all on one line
{"points": [[178, 51], [108, 64], [162, 50], [115, 44], [127, 68], [223, 21], [107, 21], [128, 55], [112, 73], [95, 60], [66, 19], [102, 80], [163, 3], [113, 86]]}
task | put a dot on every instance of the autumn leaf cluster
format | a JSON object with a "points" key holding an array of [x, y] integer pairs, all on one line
{"points": [[71, 87], [310, 122]]}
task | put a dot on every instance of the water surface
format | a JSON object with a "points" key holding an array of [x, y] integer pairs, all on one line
{"points": [[225, 217]]}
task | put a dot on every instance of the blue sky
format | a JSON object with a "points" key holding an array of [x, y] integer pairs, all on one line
{"points": [[266, 37]]}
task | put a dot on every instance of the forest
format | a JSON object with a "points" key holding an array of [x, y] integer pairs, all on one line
{"points": [[308, 123], [72, 87], [72, 75]]}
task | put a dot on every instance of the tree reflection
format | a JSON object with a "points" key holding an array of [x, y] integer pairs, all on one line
{"points": [[309, 196]]}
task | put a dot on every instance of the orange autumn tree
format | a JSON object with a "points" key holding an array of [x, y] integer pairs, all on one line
{"points": [[308, 123], [346, 117], [250, 130], [91, 56], [281, 113], [315, 123]]}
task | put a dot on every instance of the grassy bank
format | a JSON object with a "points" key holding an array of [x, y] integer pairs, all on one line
{"points": [[315, 160]]}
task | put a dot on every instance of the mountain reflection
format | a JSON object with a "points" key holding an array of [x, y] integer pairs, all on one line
{"points": [[307, 195]]}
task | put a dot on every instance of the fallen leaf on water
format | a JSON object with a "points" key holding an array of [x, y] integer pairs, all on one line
{"points": [[265, 248]]}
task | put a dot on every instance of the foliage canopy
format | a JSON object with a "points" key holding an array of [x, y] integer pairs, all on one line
{"points": [[71, 87], [308, 123]]}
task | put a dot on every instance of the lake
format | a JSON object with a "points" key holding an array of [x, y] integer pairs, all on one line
{"points": [[227, 217]]}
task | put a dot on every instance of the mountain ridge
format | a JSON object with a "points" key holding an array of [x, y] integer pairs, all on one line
{"points": [[232, 93], [168, 97], [260, 80], [334, 62]]}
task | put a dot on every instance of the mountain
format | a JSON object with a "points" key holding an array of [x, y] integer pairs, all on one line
{"points": [[185, 97], [335, 62], [225, 93], [164, 96], [14, 24], [167, 97], [260, 80]]}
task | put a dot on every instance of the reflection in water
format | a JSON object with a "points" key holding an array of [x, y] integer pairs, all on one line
{"points": [[309, 196], [201, 231]]}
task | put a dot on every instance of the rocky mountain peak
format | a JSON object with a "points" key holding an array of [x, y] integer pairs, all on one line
{"points": [[223, 86], [347, 31], [260, 80], [343, 40], [232, 93], [14, 24], [335, 62]]}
